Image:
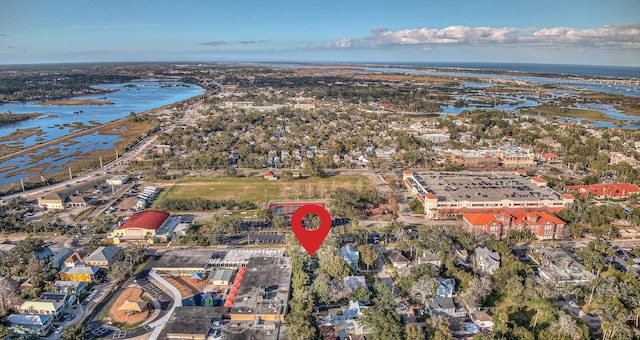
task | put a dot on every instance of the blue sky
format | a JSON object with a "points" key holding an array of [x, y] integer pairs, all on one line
{"points": [[568, 31]]}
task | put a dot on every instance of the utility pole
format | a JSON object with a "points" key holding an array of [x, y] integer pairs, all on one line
{"points": [[117, 153], [100, 161], [70, 176], [22, 183], [265, 198]]}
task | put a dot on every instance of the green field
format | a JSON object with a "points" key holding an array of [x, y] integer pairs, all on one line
{"points": [[252, 189]]}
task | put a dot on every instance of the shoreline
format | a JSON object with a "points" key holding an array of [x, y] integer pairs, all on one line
{"points": [[74, 102], [68, 137]]}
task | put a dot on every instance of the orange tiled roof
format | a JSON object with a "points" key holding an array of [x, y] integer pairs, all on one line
{"points": [[607, 189], [538, 179], [549, 155], [518, 218], [480, 218]]}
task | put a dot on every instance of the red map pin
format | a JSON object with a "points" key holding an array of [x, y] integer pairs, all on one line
{"points": [[311, 239]]}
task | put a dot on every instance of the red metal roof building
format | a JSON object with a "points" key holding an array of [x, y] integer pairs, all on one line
{"points": [[541, 224], [607, 190], [140, 226]]}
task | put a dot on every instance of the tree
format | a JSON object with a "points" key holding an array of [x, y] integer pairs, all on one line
{"points": [[328, 262], [360, 294], [135, 253], [477, 290], [437, 328], [7, 294], [37, 271], [119, 271], [368, 255], [423, 289], [230, 172], [413, 332], [321, 288], [300, 319], [75, 332], [541, 307], [279, 222]]}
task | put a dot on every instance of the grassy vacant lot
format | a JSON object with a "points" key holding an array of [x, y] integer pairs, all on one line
{"points": [[252, 188]]}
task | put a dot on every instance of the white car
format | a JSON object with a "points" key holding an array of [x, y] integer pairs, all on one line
{"points": [[59, 329]]}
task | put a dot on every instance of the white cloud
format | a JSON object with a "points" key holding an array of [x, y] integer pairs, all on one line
{"points": [[619, 36]]}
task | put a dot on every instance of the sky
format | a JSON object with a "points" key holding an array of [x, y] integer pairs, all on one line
{"points": [[558, 32]]}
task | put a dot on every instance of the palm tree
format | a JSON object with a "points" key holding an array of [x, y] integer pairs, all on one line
{"points": [[540, 306]]}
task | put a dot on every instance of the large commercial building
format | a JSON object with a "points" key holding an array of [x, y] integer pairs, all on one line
{"points": [[446, 194], [149, 226], [264, 291]]}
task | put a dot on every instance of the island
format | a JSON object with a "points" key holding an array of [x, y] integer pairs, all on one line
{"points": [[7, 118]]}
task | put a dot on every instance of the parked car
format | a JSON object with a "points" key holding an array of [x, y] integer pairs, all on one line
{"points": [[59, 329]]}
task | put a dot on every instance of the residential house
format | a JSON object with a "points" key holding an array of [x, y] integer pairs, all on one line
{"points": [[104, 257], [429, 257], [44, 254], [30, 324], [79, 274], [346, 321], [482, 320], [42, 308], [57, 260], [445, 287], [350, 255], [66, 299], [353, 282], [70, 287], [398, 260], [617, 158], [487, 261], [443, 306], [270, 176], [75, 259]]}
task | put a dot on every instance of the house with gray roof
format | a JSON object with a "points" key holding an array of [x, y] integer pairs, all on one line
{"points": [[69, 287], [487, 261], [104, 257], [57, 260], [398, 260], [30, 324], [443, 306]]}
